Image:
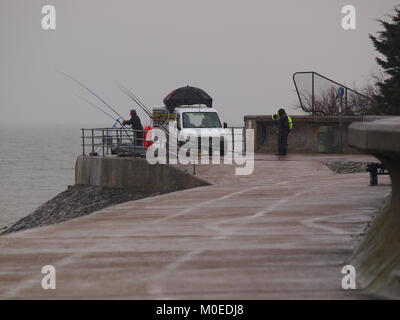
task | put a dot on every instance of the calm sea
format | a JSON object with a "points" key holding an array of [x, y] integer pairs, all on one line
{"points": [[36, 163]]}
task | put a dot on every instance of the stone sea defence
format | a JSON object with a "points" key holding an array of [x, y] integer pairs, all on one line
{"points": [[377, 260], [101, 182]]}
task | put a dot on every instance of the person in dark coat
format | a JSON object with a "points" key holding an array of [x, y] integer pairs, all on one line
{"points": [[283, 132], [137, 127]]}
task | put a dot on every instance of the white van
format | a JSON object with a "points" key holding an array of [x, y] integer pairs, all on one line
{"points": [[200, 120]]}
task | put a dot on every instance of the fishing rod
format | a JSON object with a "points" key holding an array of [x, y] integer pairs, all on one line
{"points": [[98, 108], [131, 95], [98, 97], [136, 98], [116, 121], [92, 92]]}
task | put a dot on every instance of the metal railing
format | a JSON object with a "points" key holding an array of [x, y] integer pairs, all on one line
{"points": [[124, 141], [319, 95], [107, 141], [238, 135]]}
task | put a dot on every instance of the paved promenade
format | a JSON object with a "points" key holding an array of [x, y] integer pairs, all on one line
{"points": [[282, 233]]}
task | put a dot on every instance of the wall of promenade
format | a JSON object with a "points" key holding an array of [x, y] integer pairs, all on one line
{"points": [[133, 174], [310, 134], [377, 260]]}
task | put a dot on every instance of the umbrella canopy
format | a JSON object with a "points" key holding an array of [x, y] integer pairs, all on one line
{"points": [[187, 96]]}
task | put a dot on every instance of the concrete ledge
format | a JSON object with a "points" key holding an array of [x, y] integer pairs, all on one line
{"points": [[307, 119], [310, 134], [133, 174], [377, 260], [380, 136]]}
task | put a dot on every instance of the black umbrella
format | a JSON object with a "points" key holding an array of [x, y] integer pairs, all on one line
{"points": [[187, 96]]}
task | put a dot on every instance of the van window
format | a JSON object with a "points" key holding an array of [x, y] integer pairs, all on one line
{"points": [[201, 120], [178, 121]]}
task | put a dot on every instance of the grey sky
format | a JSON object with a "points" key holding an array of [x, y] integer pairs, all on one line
{"points": [[243, 53]]}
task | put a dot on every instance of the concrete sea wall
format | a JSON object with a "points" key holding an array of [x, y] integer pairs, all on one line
{"points": [[310, 134], [377, 260], [133, 174]]}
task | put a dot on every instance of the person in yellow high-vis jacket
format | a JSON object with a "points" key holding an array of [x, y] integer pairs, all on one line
{"points": [[276, 117], [285, 124]]}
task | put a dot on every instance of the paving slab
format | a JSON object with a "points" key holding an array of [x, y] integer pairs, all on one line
{"points": [[283, 232]]}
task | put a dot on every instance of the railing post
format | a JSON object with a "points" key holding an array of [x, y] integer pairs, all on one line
{"points": [[83, 141], [244, 140], [135, 139], [92, 142], [109, 142], [177, 147], [167, 148], [198, 147], [102, 140], [233, 141], [312, 94]]}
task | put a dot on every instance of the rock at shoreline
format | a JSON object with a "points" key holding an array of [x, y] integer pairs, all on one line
{"points": [[346, 166], [76, 201]]}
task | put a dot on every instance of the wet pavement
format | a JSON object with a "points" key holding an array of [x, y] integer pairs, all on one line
{"points": [[285, 232]]}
